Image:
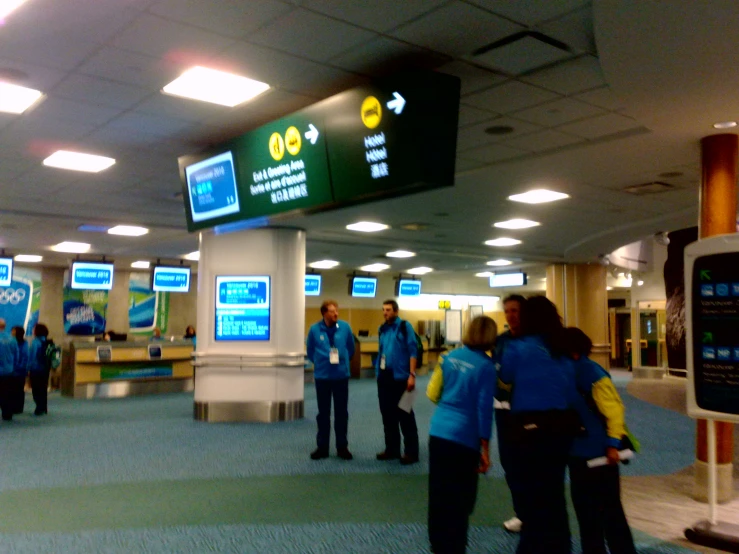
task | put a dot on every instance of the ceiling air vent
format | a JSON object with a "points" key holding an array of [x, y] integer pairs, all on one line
{"points": [[654, 187], [522, 52]]}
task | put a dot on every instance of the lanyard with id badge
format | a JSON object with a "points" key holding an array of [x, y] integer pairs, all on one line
{"points": [[333, 353]]}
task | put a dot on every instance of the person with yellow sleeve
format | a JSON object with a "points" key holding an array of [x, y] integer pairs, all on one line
{"points": [[596, 491]]}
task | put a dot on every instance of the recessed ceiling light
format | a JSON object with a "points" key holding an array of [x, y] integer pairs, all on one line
{"points": [[516, 224], [193, 256], [141, 264], [400, 254], [128, 230], [77, 161], [93, 228], [216, 87], [71, 247], [639, 283], [609, 288], [484, 274], [31, 258], [422, 270], [17, 99], [367, 226], [374, 268], [538, 196], [8, 6], [323, 264], [499, 262], [724, 125], [499, 130], [502, 241]]}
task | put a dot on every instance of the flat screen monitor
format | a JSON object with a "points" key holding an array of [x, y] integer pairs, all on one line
{"points": [[166, 278], [363, 287], [104, 353], [242, 308], [211, 184], [91, 276], [508, 280], [313, 285], [155, 351], [405, 288], [6, 271]]}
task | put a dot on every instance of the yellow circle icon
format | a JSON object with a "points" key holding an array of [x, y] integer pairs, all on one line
{"points": [[293, 142], [276, 146], [371, 112]]}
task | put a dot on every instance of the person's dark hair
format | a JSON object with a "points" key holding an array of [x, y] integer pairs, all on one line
{"points": [[326, 304], [578, 342], [392, 303], [41, 330], [19, 333], [189, 332], [514, 298], [539, 316], [481, 333]]}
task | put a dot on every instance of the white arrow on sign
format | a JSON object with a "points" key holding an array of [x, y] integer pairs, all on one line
{"points": [[312, 133], [396, 104]]}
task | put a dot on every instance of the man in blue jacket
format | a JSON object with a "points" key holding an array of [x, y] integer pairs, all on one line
{"points": [[395, 366], [8, 361], [330, 348]]}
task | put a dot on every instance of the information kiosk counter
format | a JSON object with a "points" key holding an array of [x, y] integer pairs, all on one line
{"points": [[118, 369]]}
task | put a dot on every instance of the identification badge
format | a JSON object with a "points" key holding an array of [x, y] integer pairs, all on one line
{"points": [[382, 361], [333, 356]]}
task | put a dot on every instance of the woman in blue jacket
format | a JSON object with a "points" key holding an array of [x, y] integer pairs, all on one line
{"points": [[463, 386], [20, 371], [38, 368]]}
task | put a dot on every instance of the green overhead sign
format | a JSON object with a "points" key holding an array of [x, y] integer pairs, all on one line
{"points": [[386, 139]]}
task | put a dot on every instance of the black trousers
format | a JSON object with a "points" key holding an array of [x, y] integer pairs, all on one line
{"points": [[19, 394], [39, 386], [7, 398], [339, 389], [452, 494], [502, 429], [538, 465], [389, 392], [596, 495]]}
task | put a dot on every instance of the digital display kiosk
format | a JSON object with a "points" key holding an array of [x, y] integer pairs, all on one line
{"points": [[405, 288], [508, 280], [312, 285], [6, 271], [91, 276], [242, 308], [363, 287], [170, 279], [211, 185]]}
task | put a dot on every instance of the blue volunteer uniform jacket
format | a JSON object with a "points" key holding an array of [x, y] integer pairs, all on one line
{"points": [[37, 356], [398, 348], [21, 365], [8, 354], [463, 386], [319, 347]]}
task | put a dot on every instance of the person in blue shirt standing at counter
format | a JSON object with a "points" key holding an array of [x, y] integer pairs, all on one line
{"points": [[330, 347], [38, 368], [463, 386], [21, 370], [396, 363], [8, 361]]}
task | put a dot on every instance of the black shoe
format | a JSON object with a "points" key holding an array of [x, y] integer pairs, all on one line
{"points": [[319, 454], [40, 412], [344, 453], [407, 460], [384, 456]]}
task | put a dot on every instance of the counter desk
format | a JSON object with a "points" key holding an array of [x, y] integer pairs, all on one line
{"points": [[118, 369], [369, 347]]}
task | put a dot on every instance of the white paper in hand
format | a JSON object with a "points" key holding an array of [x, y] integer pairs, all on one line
{"points": [[407, 400]]}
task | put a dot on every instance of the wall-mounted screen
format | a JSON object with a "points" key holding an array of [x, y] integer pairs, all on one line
{"points": [[170, 279], [312, 285], [155, 351], [91, 276], [508, 280], [363, 287], [407, 287], [6, 271], [242, 307], [212, 187]]}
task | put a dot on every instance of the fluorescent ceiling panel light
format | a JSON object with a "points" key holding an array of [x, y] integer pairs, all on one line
{"points": [[400, 254], [420, 270], [31, 258], [484, 274], [16, 99], [516, 224], [499, 262], [141, 264], [323, 264], [502, 241], [609, 288], [539, 196], [725, 125], [639, 283], [128, 230], [374, 268], [93, 228], [193, 256], [216, 87], [8, 6], [71, 247], [367, 226], [77, 161]]}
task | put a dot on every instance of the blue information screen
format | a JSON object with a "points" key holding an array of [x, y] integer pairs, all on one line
{"points": [[212, 187], [312, 285], [170, 279], [242, 307], [6, 271], [407, 287], [91, 276], [364, 287]]}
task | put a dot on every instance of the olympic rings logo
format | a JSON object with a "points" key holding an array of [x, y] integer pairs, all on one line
{"points": [[10, 296]]}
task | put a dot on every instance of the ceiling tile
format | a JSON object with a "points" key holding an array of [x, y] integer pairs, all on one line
{"points": [[543, 140], [600, 126], [473, 78], [574, 29], [99, 91], [181, 108], [379, 15], [469, 115], [29, 75], [67, 110], [558, 112], [492, 153], [40, 137], [440, 29], [569, 77], [384, 56], [58, 53], [131, 68], [530, 12], [310, 35], [509, 97], [474, 136], [602, 97], [462, 165], [135, 122]]}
